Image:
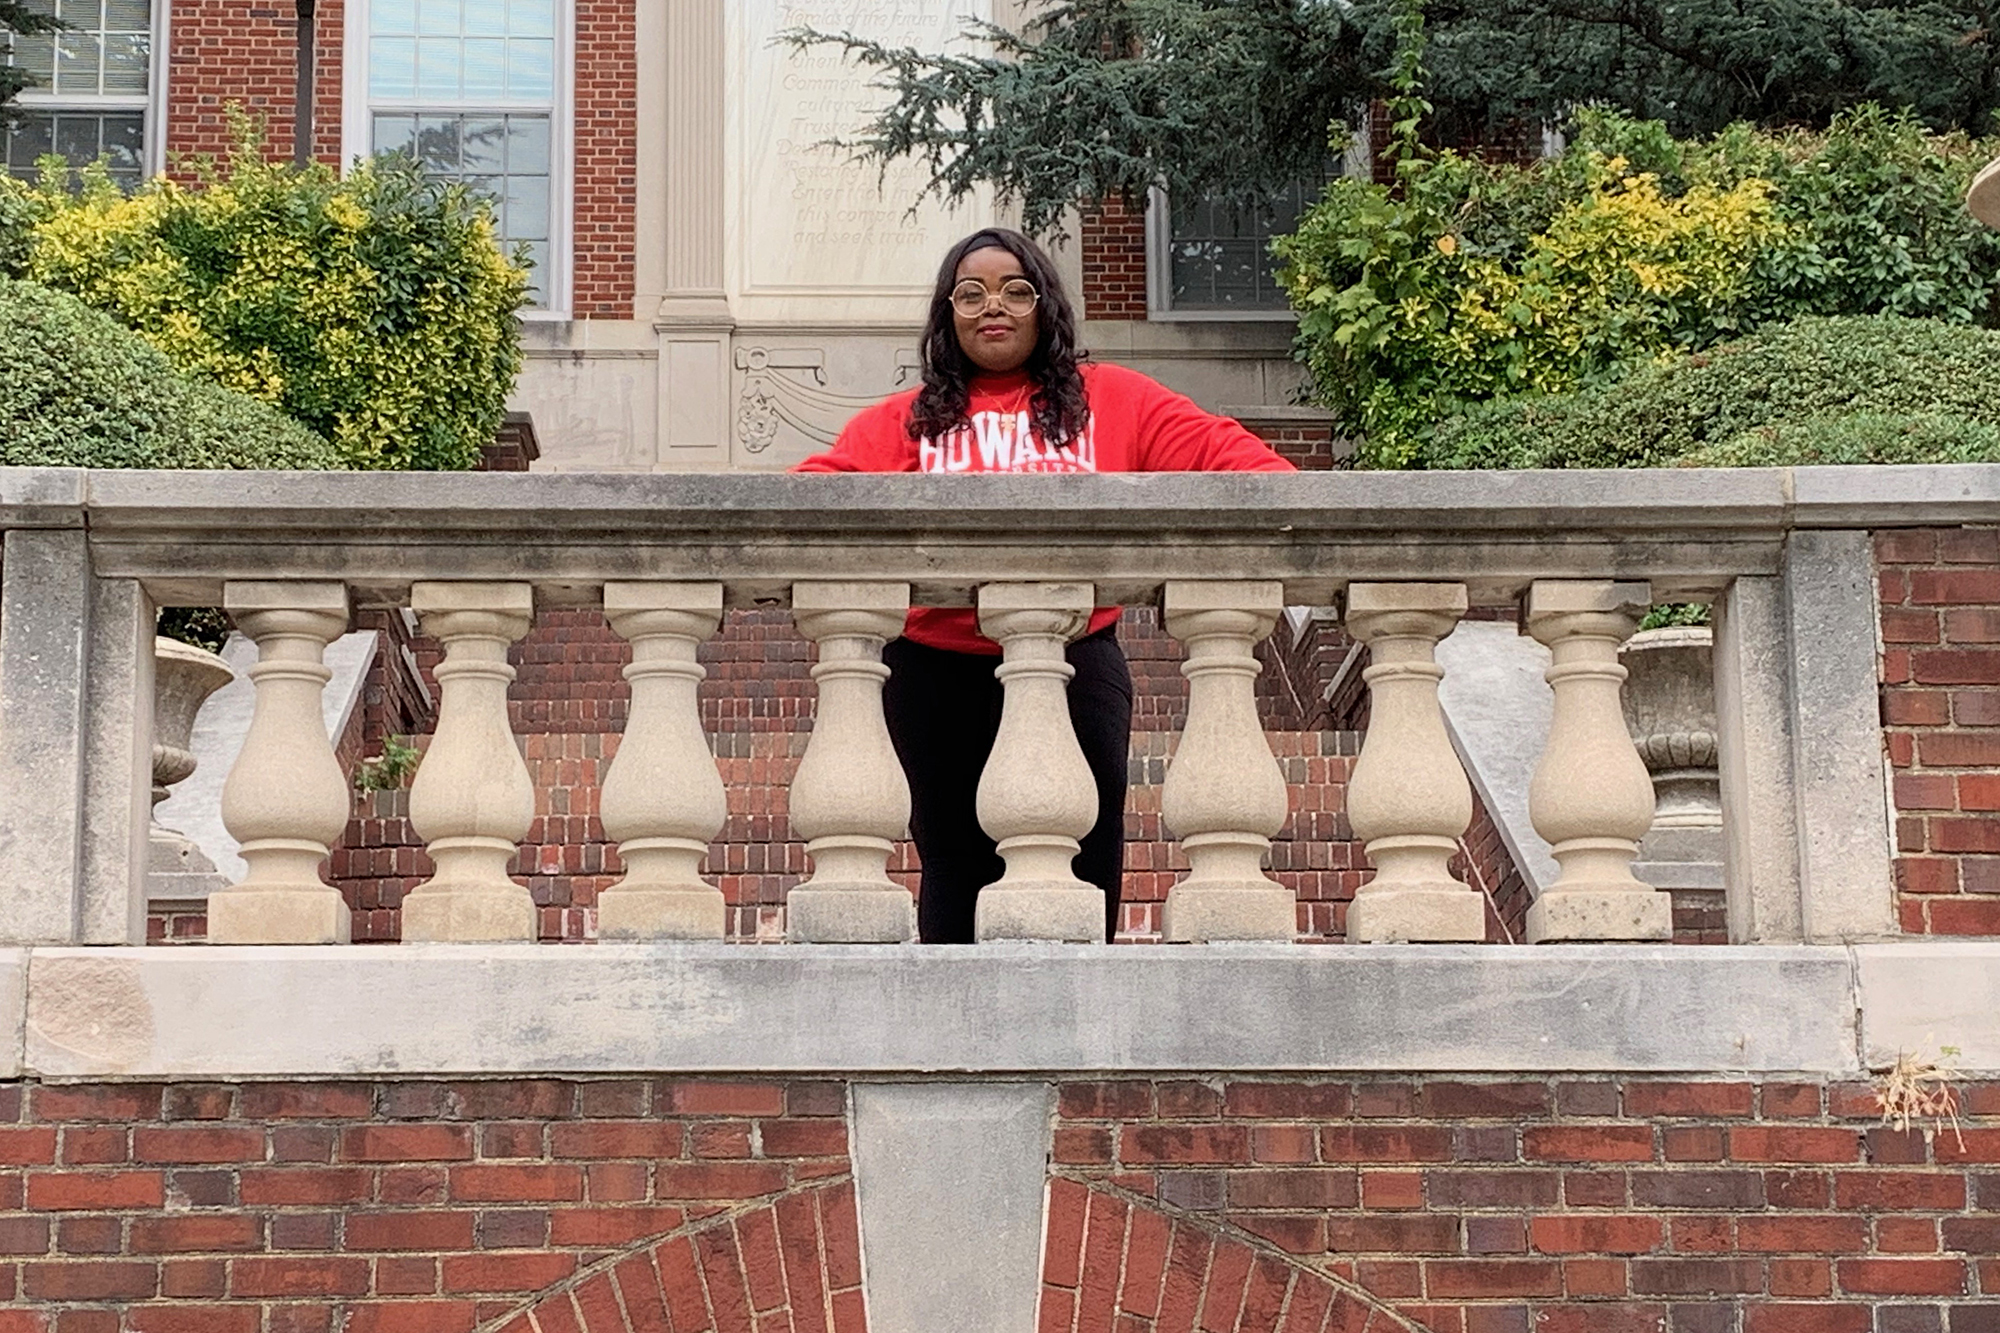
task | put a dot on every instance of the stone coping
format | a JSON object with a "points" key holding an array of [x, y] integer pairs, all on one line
{"points": [[317, 1012]]}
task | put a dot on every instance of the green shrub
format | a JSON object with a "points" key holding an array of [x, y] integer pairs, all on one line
{"points": [[1838, 389], [376, 308], [78, 389], [1481, 281]]}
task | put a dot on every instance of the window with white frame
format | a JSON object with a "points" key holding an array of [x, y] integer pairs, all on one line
{"points": [[92, 93], [474, 91]]}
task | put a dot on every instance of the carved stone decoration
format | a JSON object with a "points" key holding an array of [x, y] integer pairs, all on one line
{"points": [[183, 678], [786, 386], [1669, 701]]}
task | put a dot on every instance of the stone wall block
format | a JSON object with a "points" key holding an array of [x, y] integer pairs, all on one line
{"points": [[1409, 800], [472, 800], [1036, 798], [1224, 796], [849, 797], [663, 798], [1591, 797], [286, 800]]}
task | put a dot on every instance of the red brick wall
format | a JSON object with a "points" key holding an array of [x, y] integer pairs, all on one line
{"points": [[1112, 238], [1569, 1205], [606, 159], [426, 1207], [1398, 1204], [222, 51], [1940, 595]]}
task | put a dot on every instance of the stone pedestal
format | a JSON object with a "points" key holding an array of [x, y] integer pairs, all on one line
{"points": [[1590, 796], [663, 799], [849, 798], [286, 800], [1408, 799], [1224, 797], [1036, 797]]}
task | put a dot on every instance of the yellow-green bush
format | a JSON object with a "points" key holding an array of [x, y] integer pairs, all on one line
{"points": [[376, 309], [1470, 282]]}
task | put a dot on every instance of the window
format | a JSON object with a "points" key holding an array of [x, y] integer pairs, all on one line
{"points": [[1210, 259], [472, 89], [92, 90]]}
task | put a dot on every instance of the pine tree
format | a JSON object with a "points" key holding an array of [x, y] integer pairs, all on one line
{"points": [[1236, 99]]}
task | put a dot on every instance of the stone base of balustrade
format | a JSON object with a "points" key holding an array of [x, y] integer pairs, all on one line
{"points": [[687, 913], [1583, 914], [1259, 910], [278, 916], [1060, 912], [1416, 916], [850, 914], [468, 915]]}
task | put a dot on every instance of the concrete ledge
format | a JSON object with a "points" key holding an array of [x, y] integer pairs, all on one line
{"points": [[13, 1006], [1908, 495], [1922, 999], [42, 497], [891, 1010]]}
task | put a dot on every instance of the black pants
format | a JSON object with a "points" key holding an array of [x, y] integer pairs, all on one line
{"points": [[944, 711]]}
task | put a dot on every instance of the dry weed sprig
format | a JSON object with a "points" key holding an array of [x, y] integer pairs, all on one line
{"points": [[1918, 1087]]}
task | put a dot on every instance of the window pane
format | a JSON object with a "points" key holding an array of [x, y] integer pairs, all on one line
{"points": [[527, 208], [437, 18], [531, 18], [125, 146], [486, 18], [36, 55], [531, 69], [485, 67], [437, 144], [127, 57], [437, 67], [392, 67], [396, 18], [527, 145], [1219, 258], [538, 260], [32, 136], [128, 16], [79, 56], [483, 146], [396, 134], [76, 138]]}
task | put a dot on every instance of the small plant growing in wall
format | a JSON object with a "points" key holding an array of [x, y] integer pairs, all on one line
{"points": [[390, 769], [1921, 1088]]}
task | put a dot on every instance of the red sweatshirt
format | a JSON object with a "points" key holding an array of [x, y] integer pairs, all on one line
{"points": [[1135, 425]]}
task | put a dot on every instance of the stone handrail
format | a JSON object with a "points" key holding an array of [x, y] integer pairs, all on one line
{"points": [[89, 555]]}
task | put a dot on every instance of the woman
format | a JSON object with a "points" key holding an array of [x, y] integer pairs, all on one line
{"points": [[1006, 389]]}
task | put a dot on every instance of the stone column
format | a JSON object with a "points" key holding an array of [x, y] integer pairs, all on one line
{"points": [[472, 800], [1036, 797], [286, 800], [849, 797], [1590, 796], [1224, 796], [694, 320], [1408, 799], [663, 799]]}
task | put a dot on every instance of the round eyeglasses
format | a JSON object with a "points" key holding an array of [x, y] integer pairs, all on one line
{"points": [[1017, 297]]}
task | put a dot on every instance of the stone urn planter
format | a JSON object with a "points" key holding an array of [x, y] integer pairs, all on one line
{"points": [[183, 678], [1670, 710]]}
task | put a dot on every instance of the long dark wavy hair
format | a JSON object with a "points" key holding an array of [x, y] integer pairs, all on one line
{"points": [[1058, 407]]}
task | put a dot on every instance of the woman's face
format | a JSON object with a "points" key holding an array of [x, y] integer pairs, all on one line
{"points": [[993, 340]]}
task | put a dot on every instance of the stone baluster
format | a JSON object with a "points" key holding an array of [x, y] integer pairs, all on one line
{"points": [[285, 800], [1590, 796], [663, 799], [1224, 796], [1036, 796], [473, 800], [1408, 799], [849, 797]]}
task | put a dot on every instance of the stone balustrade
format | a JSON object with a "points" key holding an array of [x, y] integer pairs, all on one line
{"points": [[1578, 557]]}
